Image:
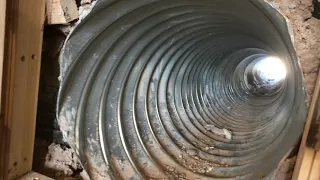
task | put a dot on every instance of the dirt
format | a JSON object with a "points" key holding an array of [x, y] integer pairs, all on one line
{"points": [[285, 169], [306, 33], [60, 162], [173, 174]]}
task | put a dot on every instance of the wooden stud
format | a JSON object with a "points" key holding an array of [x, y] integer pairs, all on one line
{"points": [[21, 70], [306, 164], [3, 128], [307, 155], [315, 169]]}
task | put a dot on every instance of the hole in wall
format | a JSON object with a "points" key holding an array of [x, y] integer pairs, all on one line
{"points": [[201, 77], [297, 42]]}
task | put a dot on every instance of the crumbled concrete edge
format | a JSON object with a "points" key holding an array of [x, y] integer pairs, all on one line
{"points": [[84, 10], [68, 113]]}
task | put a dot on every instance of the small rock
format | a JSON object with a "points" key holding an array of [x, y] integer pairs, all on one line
{"points": [[202, 171], [292, 6], [86, 2], [227, 134], [209, 148], [209, 169], [192, 152], [221, 132], [171, 169]]}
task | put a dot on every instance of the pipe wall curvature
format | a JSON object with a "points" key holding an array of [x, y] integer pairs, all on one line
{"points": [[163, 89]]}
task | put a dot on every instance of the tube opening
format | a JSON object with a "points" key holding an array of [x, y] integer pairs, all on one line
{"points": [[266, 75]]}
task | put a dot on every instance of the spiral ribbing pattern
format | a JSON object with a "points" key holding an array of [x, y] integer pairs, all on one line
{"points": [[156, 89]]}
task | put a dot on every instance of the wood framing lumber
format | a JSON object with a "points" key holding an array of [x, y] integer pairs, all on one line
{"points": [[19, 97], [308, 155]]}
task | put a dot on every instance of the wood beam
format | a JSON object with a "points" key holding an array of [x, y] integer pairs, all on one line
{"points": [[21, 69], [3, 128], [308, 160]]}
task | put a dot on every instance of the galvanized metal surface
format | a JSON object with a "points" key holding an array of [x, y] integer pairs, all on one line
{"points": [[153, 89]]}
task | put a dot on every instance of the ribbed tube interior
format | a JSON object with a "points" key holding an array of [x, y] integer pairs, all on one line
{"points": [[154, 89]]}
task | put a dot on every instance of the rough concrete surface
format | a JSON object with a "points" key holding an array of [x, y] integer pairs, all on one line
{"points": [[56, 161], [60, 162], [306, 34]]}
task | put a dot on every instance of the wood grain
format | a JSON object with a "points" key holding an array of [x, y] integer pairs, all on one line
{"points": [[3, 128], [22, 54], [307, 154], [315, 170]]}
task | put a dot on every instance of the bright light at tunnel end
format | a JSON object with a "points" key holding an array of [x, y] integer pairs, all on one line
{"points": [[271, 69]]}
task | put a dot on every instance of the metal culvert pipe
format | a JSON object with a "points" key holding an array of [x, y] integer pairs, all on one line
{"points": [[183, 89]]}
